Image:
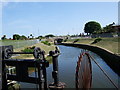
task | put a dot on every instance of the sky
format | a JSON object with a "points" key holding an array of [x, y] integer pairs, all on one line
{"points": [[58, 18]]}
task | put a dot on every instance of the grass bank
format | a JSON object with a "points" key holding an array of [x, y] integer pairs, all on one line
{"points": [[109, 44], [44, 47], [18, 43]]}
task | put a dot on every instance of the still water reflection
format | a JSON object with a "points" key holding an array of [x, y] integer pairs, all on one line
{"points": [[67, 65]]}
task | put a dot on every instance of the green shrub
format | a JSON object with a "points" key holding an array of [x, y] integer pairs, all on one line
{"points": [[46, 43], [65, 40], [96, 40], [76, 40], [28, 49]]}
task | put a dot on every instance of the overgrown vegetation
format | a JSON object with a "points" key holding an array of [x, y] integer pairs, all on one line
{"points": [[28, 49], [15, 86], [42, 46], [65, 40], [49, 35], [76, 40], [96, 40], [94, 27], [46, 43], [49, 59], [4, 37], [18, 37]]}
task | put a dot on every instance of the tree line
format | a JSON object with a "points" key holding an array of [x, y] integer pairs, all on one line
{"points": [[94, 27], [23, 37], [18, 37], [91, 27]]}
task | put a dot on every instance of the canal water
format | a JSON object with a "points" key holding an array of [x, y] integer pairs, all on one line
{"points": [[67, 66]]}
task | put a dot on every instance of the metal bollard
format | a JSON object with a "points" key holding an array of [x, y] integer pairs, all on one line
{"points": [[56, 84]]}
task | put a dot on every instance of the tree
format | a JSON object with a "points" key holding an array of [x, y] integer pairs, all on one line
{"points": [[92, 27], [23, 37], [4, 37], [39, 37], [31, 36], [109, 28], [50, 35], [16, 37]]}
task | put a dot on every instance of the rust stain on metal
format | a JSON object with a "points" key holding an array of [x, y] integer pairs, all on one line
{"points": [[83, 72]]}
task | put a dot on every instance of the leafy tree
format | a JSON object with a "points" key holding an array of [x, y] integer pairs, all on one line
{"points": [[109, 28], [92, 27], [39, 37], [80, 35], [31, 36], [4, 37], [49, 35], [16, 37], [23, 37]]}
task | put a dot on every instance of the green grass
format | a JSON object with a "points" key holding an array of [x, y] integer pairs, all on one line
{"points": [[110, 44], [44, 47], [18, 43], [46, 43], [23, 44], [81, 40], [49, 59]]}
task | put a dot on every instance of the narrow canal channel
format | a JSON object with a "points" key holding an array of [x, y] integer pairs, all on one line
{"points": [[67, 66]]}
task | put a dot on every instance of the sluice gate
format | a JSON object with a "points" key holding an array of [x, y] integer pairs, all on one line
{"points": [[83, 75]]}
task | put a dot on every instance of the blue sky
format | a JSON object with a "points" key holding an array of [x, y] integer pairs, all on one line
{"points": [[58, 18]]}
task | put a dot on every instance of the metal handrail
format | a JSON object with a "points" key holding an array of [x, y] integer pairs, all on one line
{"points": [[103, 71]]}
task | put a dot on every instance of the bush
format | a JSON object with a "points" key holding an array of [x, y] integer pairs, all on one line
{"points": [[46, 43], [76, 40], [65, 40], [96, 40], [28, 49]]}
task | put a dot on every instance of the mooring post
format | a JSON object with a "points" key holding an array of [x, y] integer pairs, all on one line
{"points": [[56, 84], [39, 77], [55, 69], [46, 64]]}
